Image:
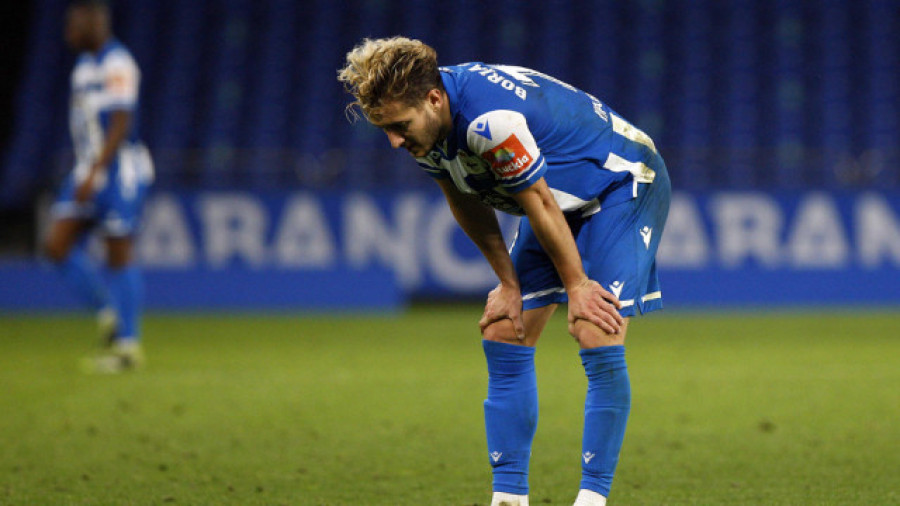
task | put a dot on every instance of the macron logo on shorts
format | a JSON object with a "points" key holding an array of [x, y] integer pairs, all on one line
{"points": [[616, 288], [646, 233], [509, 158]]}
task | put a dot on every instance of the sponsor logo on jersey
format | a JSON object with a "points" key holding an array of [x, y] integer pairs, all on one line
{"points": [[509, 158], [503, 155], [119, 82]]}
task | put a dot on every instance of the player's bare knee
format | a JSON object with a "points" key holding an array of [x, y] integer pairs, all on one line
{"points": [[589, 335], [118, 252], [54, 250], [501, 331], [116, 262]]}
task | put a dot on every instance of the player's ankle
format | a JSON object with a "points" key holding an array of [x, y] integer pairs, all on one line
{"points": [[589, 498]]}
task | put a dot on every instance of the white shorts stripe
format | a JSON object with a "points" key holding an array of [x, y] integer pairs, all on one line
{"points": [[652, 296], [534, 295], [625, 303]]}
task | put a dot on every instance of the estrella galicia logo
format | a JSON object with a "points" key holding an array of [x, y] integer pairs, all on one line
{"points": [[509, 158], [503, 155]]}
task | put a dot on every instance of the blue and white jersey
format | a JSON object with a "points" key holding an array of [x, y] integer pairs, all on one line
{"points": [[513, 125], [102, 83]]}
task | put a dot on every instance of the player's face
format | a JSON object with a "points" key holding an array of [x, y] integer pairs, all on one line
{"points": [[79, 28], [415, 128]]}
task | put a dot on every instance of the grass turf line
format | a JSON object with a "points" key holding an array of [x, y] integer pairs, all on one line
{"points": [[324, 410]]}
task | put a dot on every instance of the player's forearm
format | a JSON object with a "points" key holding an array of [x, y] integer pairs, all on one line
{"points": [[120, 123], [552, 231], [480, 224], [498, 257]]}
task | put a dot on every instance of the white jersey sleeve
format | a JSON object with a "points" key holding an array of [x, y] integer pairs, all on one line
{"points": [[502, 138], [121, 81]]}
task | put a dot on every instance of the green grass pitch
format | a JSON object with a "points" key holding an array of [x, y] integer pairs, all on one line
{"points": [[744, 408]]}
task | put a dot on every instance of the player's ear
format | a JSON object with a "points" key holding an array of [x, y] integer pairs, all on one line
{"points": [[435, 98]]}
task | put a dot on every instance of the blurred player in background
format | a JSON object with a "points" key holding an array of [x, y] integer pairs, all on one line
{"points": [[594, 196], [106, 189]]}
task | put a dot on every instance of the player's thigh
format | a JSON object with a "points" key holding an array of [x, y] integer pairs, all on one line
{"points": [[64, 233], [534, 319], [119, 205], [119, 222], [537, 275], [590, 336], [618, 246], [70, 220]]}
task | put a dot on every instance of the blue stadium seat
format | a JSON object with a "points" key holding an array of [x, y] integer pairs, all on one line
{"points": [[243, 93]]}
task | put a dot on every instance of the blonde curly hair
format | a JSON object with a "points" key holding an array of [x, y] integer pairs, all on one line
{"points": [[385, 70]]}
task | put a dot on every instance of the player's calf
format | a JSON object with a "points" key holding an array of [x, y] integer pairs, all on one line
{"points": [[510, 414], [606, 408], [63, 235]]}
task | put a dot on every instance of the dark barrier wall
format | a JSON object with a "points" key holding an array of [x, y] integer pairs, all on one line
{"points": [[374, 249]]}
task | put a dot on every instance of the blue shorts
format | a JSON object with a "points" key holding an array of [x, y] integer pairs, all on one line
{"points": [[618, 249], [116, 206]]}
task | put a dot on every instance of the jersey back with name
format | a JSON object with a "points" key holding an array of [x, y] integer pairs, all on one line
{"points": [[102, 83], [513, 125]]}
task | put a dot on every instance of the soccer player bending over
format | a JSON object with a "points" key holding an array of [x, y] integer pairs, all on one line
{"points": [[593, 194], [105, 190]]}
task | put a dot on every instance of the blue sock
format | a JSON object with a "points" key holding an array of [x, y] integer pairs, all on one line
{"points": [[605, 415], [84, 278], [127, 288], [510, 413]]}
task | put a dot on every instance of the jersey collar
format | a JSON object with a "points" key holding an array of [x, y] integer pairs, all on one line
{"points": [[108, 46], [449, 82]]}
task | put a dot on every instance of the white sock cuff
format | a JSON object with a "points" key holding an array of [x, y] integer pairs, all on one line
{"points": [[507, 498], [589, 498]]}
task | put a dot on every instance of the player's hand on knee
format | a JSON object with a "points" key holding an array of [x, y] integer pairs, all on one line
{"points": [[590, 301], [504, 302]]}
